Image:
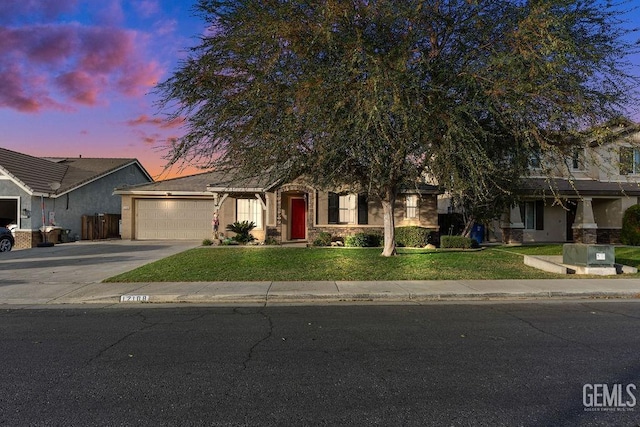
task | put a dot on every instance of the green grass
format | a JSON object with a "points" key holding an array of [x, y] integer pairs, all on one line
{"points": [[309, 264]]}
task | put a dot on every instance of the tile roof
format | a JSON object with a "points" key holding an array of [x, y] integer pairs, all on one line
{"points": [[38, 174], [579, 187], [200, 182]]}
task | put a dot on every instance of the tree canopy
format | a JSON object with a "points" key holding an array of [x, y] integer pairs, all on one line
{"points": [[378, 95]]}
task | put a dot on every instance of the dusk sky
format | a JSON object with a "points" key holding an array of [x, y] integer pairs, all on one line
{"points": [[75, 76]]}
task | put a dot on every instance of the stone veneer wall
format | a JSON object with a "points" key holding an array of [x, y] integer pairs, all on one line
{"points": [[609, 236], [585, 235]]}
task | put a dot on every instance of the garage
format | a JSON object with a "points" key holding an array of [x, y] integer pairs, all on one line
{"points": [[173, 219]]}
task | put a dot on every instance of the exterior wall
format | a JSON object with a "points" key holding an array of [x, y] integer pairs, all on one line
{"points": [[95, 197], [128, 217], [555, 229]]}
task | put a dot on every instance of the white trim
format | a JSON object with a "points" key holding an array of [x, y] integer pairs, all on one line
{"points": [[18, 199]]}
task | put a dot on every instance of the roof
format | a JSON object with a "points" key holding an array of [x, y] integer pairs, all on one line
{"points": [[207, 182], [579, 187], [58, 175]]}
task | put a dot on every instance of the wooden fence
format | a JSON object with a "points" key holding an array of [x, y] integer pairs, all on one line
{"points": [[100, 226]]}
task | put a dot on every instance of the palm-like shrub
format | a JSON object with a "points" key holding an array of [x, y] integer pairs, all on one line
{"points": [[243, 231]]}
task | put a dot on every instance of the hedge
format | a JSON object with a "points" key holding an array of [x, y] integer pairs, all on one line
{"points": [[363, 240], [413, 236], [630, 234]]}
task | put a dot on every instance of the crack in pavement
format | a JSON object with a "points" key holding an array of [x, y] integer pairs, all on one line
{"points": [[146, 326], [530, 324], [590, 307], [245, 363]]}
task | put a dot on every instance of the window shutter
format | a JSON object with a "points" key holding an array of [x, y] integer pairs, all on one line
{"points": [[539, 214], [333, 208], [363, 209]]}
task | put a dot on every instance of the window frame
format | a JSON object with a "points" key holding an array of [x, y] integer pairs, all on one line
{"points": [[252, 213]]}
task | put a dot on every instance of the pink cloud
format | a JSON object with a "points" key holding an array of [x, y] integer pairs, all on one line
{"points": [[16, 91], [143, 119], [78, 64], [79, 86]]}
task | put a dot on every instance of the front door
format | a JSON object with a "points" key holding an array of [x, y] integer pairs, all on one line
{"points": [[298, 219]]}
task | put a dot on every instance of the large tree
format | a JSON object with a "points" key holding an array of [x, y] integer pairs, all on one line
{"points": [[376, 95]]}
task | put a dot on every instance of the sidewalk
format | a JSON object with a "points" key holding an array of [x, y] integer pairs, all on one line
{"points": [[324, 292], [72, 274]]}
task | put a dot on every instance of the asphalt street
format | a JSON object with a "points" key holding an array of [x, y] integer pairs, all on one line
{"points": [[529, 363]]}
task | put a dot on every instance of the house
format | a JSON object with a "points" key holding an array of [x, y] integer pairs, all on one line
{"points": [[184, 208], [601, 182], [58, 192]]}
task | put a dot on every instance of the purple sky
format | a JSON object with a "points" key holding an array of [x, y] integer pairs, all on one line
{"points": [[75, 76]]}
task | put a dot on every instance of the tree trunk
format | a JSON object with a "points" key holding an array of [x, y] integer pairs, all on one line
{"points": [[388, 205]]}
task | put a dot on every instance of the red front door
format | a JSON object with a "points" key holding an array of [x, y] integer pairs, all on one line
{"points": [[298, 219]]}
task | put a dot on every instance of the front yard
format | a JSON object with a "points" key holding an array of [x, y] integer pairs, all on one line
{"points": [[310, 264]]}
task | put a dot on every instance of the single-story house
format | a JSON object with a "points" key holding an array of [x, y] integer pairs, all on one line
{"points": [[57, 192], [185, 208]]}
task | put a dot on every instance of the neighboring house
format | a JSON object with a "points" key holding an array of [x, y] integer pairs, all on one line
{"points": [[59, 191], [184, 208], [604, 182]]}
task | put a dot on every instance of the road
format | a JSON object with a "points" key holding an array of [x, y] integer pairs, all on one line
{"points": [[438, 364]]}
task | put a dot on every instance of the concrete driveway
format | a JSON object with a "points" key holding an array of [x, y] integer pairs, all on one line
{"points": [[82, 262]]}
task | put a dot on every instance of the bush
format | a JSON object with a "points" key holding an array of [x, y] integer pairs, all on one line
{"points": [[242, 230], [630, 234], [207, 242], [363, 240], [415, 237], [458, 242], [323, 239]]}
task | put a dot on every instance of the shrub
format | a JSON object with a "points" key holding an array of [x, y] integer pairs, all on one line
{"points": [[207, 242], [363, 240], [323, 239], [414, 236], [271, 241], [242, 230], [630, 234], [458, 242]]}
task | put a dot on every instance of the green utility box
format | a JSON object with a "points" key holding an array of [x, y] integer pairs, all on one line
{"points": [[588, 255]]}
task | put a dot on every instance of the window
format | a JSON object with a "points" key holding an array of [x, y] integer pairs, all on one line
{"points": [[249, 210], [532, 215], [411, 202], [629, 161], [347, 209], [576, 160]]}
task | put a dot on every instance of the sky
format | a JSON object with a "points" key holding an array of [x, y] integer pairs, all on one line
{"points": [[76, 76]]}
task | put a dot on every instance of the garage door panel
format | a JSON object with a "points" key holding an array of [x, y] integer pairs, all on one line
{"points": [[173, 219]]}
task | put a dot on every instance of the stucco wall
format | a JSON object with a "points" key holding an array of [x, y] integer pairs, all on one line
{"points": [[95, 197]]}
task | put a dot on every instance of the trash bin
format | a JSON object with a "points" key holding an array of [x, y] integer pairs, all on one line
{"points": [[477, 233]]}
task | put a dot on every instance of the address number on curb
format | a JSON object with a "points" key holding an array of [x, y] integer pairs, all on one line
{"points": [[134, 298]]}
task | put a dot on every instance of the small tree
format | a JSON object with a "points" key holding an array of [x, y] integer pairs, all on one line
{"points": [[242, 230], [630, 234]]}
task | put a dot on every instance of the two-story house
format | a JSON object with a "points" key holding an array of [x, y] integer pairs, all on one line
{"points": [[586, 200]]}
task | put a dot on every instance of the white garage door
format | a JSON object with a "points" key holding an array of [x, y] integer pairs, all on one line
{"points": [[173, 219]]}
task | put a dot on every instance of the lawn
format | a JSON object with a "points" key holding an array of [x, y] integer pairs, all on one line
{"points": [[309, 264]]}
